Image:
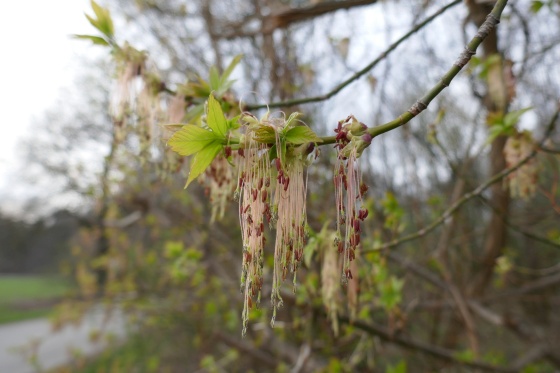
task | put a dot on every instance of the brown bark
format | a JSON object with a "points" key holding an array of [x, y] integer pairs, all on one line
{"points": [[285, 18], [496, 105]]}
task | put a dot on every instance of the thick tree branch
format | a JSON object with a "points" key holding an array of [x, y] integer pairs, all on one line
{"points": [[291, 16]]}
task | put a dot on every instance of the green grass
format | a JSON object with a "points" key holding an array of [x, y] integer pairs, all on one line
{"points": [[18, 293]]}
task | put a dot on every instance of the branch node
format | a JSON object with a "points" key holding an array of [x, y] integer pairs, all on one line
{"points": [[464, 57], [417, 108], [490, 22]]}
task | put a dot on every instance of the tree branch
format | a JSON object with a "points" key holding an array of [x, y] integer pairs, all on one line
{"points": [[358, 74], [422, 347], [460, 202]]}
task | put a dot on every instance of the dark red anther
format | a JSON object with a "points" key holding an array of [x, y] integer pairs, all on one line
{"points": [[356, 225], [246, 208], [249, 219], [340, 247], [241, 152], [264, 194], [248, 257], [345, 182], [348, 273], [261, 182], [227, 150], [287, 182], [351, 254], [355, 239], [363, 213], [363, 189], [254, 192], [278, 164]]}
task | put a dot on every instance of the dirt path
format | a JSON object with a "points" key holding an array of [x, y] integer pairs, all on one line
{"points": [[54, 348]]}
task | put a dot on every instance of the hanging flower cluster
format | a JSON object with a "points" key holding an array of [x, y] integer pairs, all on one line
{"points": [[523, 181], [352, 139], [281, 204], [254, 207], [220, 181], [289, 207]]}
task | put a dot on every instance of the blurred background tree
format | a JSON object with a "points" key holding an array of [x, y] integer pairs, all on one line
{"points": [[458, 264]]}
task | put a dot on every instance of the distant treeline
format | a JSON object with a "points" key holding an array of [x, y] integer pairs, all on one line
{"points": [[35, 247]]}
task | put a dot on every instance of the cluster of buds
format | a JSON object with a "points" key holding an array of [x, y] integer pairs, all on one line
{"points": [[523, 181], [352, 139]]}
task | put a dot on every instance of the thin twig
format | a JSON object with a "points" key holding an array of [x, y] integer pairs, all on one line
{"points": [[422, 347], [360, 73], [478, 191]]}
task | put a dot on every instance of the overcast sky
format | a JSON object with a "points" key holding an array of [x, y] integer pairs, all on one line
{"points": [[39, 58]]}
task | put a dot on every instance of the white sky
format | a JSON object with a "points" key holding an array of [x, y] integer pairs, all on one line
{"points": [[38, 58]]}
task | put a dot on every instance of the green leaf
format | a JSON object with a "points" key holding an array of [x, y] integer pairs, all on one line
{"points": [[272, 153], [191, 139], [301, 135], [94, 39], [104, 21], [230, 68], [214, 78], [536, 6], [202, 160], [265, 134], [233, 123], [292, 118], [511, 118], [495, 131], [216, 119]]}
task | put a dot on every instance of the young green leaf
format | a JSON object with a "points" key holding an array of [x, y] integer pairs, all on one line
{"points": [[291, 119], [265, 134], [214, 78], [191, 139], [216, 119], [103, 23], [301, 135], [230, 68], [511, 118], [233, 123], [94, 39], [202, 160]]}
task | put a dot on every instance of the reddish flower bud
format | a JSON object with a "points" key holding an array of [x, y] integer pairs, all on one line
{"points": [[241, 152], [363, 213]]}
